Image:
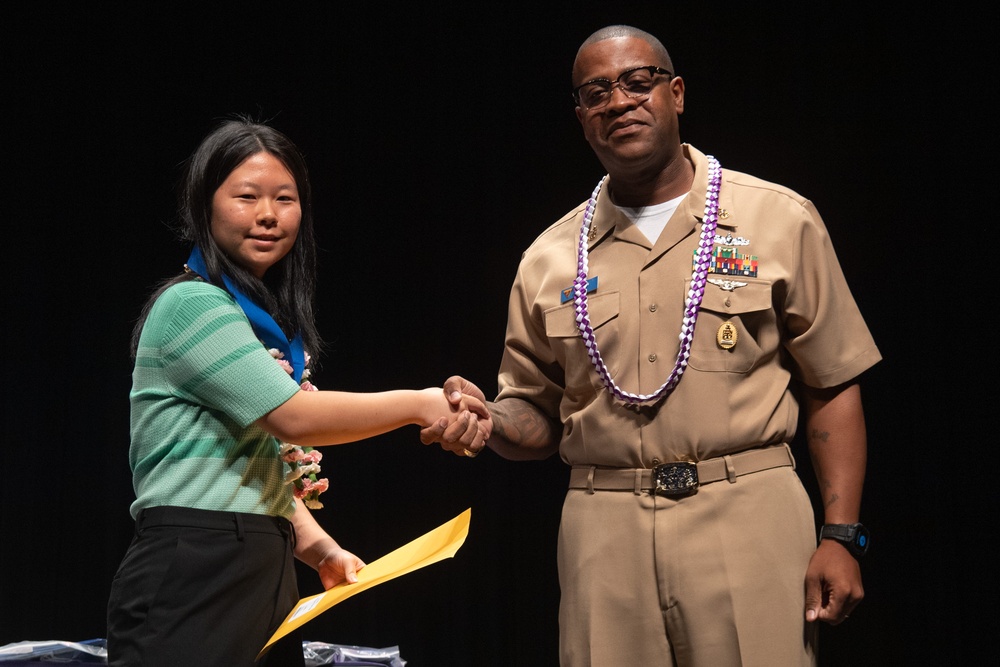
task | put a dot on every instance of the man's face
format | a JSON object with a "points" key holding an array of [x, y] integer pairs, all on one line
{"points": [[630, 134]]}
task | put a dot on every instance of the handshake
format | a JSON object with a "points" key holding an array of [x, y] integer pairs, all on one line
{"points": [[468, 424]]}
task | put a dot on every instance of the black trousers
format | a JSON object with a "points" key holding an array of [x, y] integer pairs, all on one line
{"points": [[198, 587]]}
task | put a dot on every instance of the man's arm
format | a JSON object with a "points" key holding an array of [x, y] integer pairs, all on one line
{"points": [[835, 432], [520, 431]]}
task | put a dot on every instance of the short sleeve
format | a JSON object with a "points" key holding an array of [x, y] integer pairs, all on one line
{"points": [[209, 354], [826, 334]]}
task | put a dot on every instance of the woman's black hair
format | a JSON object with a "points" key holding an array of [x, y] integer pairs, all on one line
{"points": [[288, 290]]}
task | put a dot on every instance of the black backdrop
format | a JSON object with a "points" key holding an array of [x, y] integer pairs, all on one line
{"points": [[441, 140]]}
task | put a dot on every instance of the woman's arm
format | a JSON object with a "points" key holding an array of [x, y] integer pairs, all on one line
{"points": [[315, 548], [315, 418]]}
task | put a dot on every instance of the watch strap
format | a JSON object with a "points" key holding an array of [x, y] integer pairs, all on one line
{"points": [[854, 536], [842, 532]]}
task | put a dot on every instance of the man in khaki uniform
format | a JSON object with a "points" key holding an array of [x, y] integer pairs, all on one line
{"points": [[662, 337]]}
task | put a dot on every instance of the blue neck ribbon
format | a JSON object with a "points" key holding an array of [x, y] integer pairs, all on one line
{"points": [[264, 326]]}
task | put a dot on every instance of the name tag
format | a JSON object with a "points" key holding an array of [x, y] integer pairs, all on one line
{"points": [[567, 294]]}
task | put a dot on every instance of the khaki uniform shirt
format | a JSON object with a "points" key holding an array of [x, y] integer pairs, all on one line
{"points": [[793, 315]]}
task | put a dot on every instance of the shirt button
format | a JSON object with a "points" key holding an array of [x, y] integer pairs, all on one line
{"points": [[652, 358], [652, 307]]}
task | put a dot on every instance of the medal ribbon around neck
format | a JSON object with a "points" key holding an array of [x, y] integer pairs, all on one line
{"points": [[691, 304], [264, 326]]}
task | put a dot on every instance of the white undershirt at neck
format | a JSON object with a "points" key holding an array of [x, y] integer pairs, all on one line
{"points": [[652, 219]]}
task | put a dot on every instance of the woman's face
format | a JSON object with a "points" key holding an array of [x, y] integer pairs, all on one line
{"points": [[256, 213]]}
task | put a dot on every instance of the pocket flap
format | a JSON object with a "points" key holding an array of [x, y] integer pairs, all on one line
{"points": [[748, 298], [560, 322]]}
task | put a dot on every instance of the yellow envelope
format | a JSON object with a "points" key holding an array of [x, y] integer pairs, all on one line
{"points": [[440, 543]]}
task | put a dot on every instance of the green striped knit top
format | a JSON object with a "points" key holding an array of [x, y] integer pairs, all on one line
{"points": [[201, 380]]}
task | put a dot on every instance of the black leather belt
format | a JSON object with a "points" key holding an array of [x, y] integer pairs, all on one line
{"points": [[680, 478]]}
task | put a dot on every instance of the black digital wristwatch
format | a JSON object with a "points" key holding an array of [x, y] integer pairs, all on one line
{"points": [[854, 536]]}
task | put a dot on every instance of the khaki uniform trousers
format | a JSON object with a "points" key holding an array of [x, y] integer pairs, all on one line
{"points": [[712, 579]]}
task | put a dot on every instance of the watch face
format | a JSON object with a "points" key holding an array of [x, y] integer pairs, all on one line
{"points": [[854, 536], [860, 541]]}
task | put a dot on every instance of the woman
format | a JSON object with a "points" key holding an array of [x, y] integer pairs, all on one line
{"points": [[220, 367]]}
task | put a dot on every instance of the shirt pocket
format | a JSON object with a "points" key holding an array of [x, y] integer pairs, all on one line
{"points": [[747, 312], [567, 344]]}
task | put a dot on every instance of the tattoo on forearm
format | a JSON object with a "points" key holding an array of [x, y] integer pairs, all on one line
{"points": [[825, 487], [819, 436], [521, 423]]}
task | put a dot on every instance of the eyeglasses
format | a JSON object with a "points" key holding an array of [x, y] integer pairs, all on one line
{"points": [[637, 83]]}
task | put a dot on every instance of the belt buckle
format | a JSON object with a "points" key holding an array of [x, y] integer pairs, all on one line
{"points": [[675, 479]]}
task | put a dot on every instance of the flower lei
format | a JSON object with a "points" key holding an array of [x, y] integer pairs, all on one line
{"points": [[302, 461]]}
